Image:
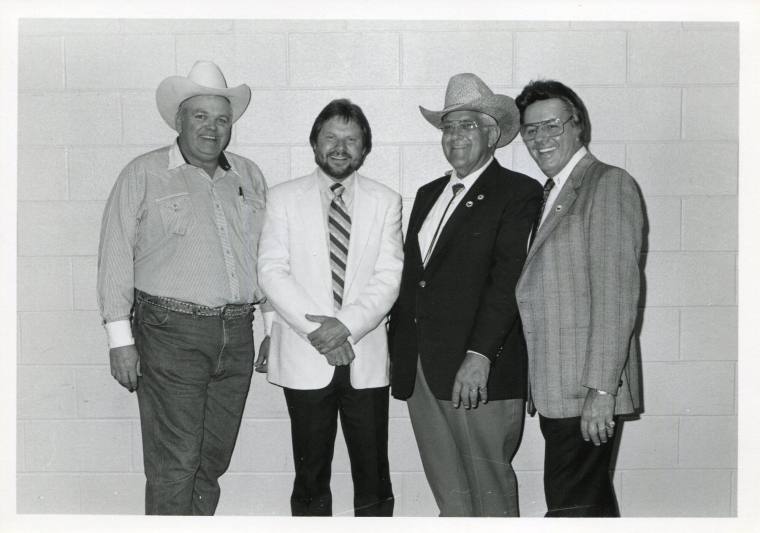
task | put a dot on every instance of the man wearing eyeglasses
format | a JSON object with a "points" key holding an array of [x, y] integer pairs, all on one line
{"points": [[457, 352], [578, 296]]}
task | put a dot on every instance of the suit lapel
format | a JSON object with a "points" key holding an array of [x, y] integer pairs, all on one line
{"points": [[312, 221], [463, 212], [426, 200], [562, 204], [362, 218]]}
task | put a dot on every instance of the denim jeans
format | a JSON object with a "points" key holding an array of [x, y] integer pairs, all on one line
{"points": [[196, 372]]}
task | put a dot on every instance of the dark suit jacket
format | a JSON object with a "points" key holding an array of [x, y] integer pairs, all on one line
{"points": [[464, 298]]}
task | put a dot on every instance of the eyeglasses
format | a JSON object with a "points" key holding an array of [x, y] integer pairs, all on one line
{"points": [[552, 128], [454, 126]]}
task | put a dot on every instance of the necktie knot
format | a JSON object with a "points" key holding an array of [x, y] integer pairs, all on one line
{"points": [[548, 186], [457, 188], [337, 189]]}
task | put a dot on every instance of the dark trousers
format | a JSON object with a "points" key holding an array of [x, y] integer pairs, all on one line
{"points": [[196, 372], [364, 420], [577, 477]]}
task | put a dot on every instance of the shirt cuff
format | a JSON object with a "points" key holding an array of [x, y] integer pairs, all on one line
{"points": [[477, 353], [119, 333], [268, 317]]}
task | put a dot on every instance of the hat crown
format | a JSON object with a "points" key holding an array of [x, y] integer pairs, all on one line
{"points": [[207, 74], [465, 88]]}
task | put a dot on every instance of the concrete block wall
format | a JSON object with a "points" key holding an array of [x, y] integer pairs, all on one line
{"points": [[663, 99]]}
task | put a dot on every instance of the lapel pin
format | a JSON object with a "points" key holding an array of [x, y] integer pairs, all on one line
{"points": [[558, 208], [468, 204], [480, 197]]}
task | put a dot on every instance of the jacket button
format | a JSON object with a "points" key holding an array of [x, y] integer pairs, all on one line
{"points": [[422, 284]]}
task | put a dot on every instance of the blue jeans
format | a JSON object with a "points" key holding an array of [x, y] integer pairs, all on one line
{"points": [[196, 372]]}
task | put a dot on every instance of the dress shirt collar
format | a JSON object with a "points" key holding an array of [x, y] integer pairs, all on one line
{"points": [[468, 180], [177, 159], [326, 181], [562, 175]]}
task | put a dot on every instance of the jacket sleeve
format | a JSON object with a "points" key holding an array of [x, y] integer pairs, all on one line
{"points": [[614, 231]]}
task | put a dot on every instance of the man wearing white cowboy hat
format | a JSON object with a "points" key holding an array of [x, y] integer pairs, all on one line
{"points": [[177, 286], [457, 352]]}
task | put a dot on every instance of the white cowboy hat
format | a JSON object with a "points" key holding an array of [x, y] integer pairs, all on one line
{"points": [[205, 78], [467, 92]]}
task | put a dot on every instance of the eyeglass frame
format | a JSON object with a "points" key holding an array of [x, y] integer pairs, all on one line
{"points": [[541, 125], [457, 125]]}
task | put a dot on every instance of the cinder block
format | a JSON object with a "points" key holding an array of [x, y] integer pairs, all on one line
{"points": [[683, 57], [255, 494], [403, 454], [659, 335], [530, 453], [690, 278], [135, 447], [219, 48], [259, 69], [257, 26], [638, 448], [20, 466], [734, 494], [118, 61], [85, 272], [344, 59], [530, 486], [273, 161], [35, 26], [44, 284], [406, 209], [112, 494], [709, 333], [263, 446], [143, 125], [397, 408], [341, 463], [382, 164], [59, 228], [265, 400], [676, 493], [633, 114], [414, 497], [710, 113], [70, 119], [663, 215], [172, 26], [40, 61], [47, 494], [431, 58], [606, 25], [454, 25], [46, 392], [56, 337], [341, 487], [576, 58], [710, 25], [421, 164], [707, 442], [42, 174], [92, 172], [684, 168], [99, 395], [703, 230], [78, 446], [694, 388]]}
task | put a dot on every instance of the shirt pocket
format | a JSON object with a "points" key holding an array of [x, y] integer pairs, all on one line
{"points": [[176, 213]]}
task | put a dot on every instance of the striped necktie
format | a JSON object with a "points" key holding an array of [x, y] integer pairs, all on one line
{"points": [[339, 224]]}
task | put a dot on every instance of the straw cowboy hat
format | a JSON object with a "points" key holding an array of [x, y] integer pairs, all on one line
{"points": [[205, 78], [467, 92]]}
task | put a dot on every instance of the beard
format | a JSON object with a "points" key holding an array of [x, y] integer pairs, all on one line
{"points": [[323, 162]]}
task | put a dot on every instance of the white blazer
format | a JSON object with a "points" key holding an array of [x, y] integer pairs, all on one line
{"points": [[294, 272]]}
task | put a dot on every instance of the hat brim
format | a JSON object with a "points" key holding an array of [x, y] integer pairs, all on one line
{"points": [[175, 89], [500, 107]]}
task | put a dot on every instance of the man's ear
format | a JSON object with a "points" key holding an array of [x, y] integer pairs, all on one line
{"points": [[493, 135], [178, 120]]}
